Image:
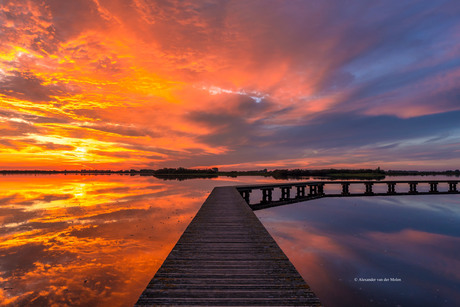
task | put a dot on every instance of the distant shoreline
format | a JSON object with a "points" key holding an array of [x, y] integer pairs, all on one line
{"points": [[183, 173]]}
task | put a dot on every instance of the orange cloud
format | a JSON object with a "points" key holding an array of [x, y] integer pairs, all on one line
{"points": [[137, 73]]}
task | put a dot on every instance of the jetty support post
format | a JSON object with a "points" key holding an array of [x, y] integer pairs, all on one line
{"points": [[391, 188], [267, 195], [433, 187], [285, 193], [245, 194], [413, 187], [300, 191], [345, 188], [321, 189], [313, 189], [369, 188]]}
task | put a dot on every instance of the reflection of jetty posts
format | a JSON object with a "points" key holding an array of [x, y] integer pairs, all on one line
{"points": [[317, 190], [413, 187], [227, 257], [391, 188]]}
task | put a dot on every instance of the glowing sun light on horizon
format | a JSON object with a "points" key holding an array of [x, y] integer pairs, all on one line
{"points": [[81, 152]]}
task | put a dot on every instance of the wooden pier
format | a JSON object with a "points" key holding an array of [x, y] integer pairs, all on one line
{"points": [[227, 257]]}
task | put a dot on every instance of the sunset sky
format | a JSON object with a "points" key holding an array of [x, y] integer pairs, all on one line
{"points": [[121, 84]]}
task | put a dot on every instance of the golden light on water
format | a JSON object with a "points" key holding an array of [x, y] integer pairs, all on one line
{"points": [[76, 240], [71, 240]]}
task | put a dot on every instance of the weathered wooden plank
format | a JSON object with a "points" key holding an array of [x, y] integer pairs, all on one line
{"points": [[227, 257]]}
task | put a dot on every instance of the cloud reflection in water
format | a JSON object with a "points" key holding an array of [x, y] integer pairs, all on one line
{"points": [[335, 240], [91, 240], [98, 240], [87, 240]]}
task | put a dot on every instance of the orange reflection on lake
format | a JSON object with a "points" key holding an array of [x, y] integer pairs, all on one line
{"points": [[87, 240], [91, 240], [69, 240]]}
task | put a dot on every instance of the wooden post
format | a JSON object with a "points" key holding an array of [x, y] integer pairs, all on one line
{"points": [[369, 188], [391, 187], [413, 187], [285, 193], [345, 188], [300, 191], [313, 190], [433, 187], [245, 194], [321, 189], [267, 195]]}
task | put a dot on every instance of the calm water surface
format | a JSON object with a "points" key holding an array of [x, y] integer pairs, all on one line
{"points": [[374, 251], [71, 240], [98, 240]]}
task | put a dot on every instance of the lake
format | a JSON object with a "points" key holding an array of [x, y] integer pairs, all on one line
{"points": [[98, 240]]}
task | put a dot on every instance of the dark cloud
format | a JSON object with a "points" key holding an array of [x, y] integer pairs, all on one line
{"points": [[108, 64], [121, 129], [153, 149], [377, 138], [249, 108], [324, 131], [351, 129], [25, 85], [70, 18], [401, 86], [226, 129], [8, 143], [17, 129], [125, 155], [29, 141], [243, 125], [54, 146], [31, 118], [26, 17]]}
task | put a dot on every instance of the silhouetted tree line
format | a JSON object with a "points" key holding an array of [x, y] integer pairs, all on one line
{"points": [[283, 173], [179, 171], [163, 171], [186, 173], [422, 173], [181, 177]]}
